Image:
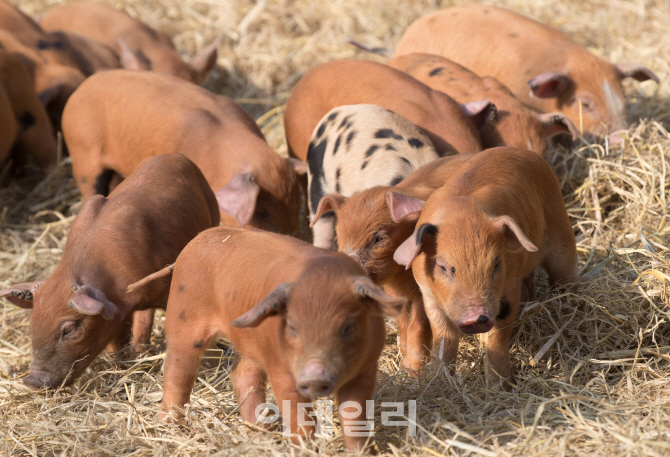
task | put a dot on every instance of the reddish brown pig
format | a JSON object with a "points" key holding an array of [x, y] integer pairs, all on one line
{"points": [[25, 125], [305, 319], [351, 82], [88, 55], [139, 46], [477, 237], [516, 125], [119, 117], [368, 232], [113, 242], [525, 54]]}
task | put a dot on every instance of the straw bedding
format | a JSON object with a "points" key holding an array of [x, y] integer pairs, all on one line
{"points": [[591, 366]]}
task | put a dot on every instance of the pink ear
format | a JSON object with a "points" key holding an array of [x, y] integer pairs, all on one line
{"points": [[515, 239], [22, 294], [132, 60], [635, 71], [204, 61], [555, 123], [549, 85], [481, 112], [330, 202], [412, 246], [238, 197], [388, 305], [91, 301], [401, 205]]}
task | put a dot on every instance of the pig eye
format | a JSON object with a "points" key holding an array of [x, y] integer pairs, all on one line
{"points": [[376, 239], [348, 331], [292, 330], [445, 269], [496, 266], [69, 330]]}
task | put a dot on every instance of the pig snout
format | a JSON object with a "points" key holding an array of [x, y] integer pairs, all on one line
{"points": [[315, 381], [38, 379], [476, 319]]}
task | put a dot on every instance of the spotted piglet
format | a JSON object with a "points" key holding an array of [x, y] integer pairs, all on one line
{"points": [[355, 147]]}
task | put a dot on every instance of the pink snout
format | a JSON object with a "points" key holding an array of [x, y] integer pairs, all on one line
{"points": [[476, 319], [314, 381], [38, 379]]}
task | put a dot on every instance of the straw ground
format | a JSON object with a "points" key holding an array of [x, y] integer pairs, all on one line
{"points": [[591, 366]]}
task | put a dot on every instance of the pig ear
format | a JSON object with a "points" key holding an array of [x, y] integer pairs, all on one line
{"points": [[204, 61], [91, 301], [635, 71], [401, 205], [21, 295], [298, 166], [411, 248], [556, 123], [515, 239], [549, 85], [388, 305], [330, 202], [238, 197], [481, 112], [132, 60], [273, 304]]}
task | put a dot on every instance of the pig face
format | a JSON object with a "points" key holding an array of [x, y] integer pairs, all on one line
{"points": [[366, 230], [461, 264], [326, 337], [69, 327], [600, 101]]}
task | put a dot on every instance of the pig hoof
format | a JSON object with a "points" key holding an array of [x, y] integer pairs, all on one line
{"points": [[171, 417]]}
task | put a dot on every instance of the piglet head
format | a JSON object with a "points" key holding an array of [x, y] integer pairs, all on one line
{"points": [[368, 233], [69, 327], [327, 334], [460, 264]]}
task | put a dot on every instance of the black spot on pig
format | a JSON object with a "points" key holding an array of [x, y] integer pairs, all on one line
{"points": [[182, 316], [395, 181], [371, 151], [365, 164], [387, 133], [350, 137], [345, 122], [390, 147], [198, 344], [181, 288], [315, 155], [332, 117], [404, 159], [505, 309], [337, 144], [322, 128], [415, 143], [436, 71], [26, 120]]}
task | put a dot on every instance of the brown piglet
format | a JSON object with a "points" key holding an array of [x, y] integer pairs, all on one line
{"points": [[114, 241], [368, 232], [352, 82], [307, 320], [544, 68], [118, 117], [139, 46], [477, 238], [516, 125]]}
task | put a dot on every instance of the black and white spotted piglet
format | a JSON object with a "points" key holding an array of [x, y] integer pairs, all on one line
{"points": [[355, 147]]}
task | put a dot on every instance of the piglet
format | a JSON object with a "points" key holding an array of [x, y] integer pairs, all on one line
{"points": [[544, 68], [307, 320], [477, 237], [139, 46], [451, 127], [369, 230], [359, 146], [118, 117], [114, 241], [516, 126]]}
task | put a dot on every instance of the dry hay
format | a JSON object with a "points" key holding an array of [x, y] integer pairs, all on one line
{"points": [[591, 366]]}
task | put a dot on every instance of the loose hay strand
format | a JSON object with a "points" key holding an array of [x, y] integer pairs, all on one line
{"points": [[599, 388]]}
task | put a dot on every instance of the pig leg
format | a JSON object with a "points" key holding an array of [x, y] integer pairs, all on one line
{"points": [[182, 360], [143, 322], [283, 386], [357, 391], [445, 332], [324, 232], [560, 262], [121, 339], [500, 365], [528, 288], [249, 386], [415, 336], [88, 172]]}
